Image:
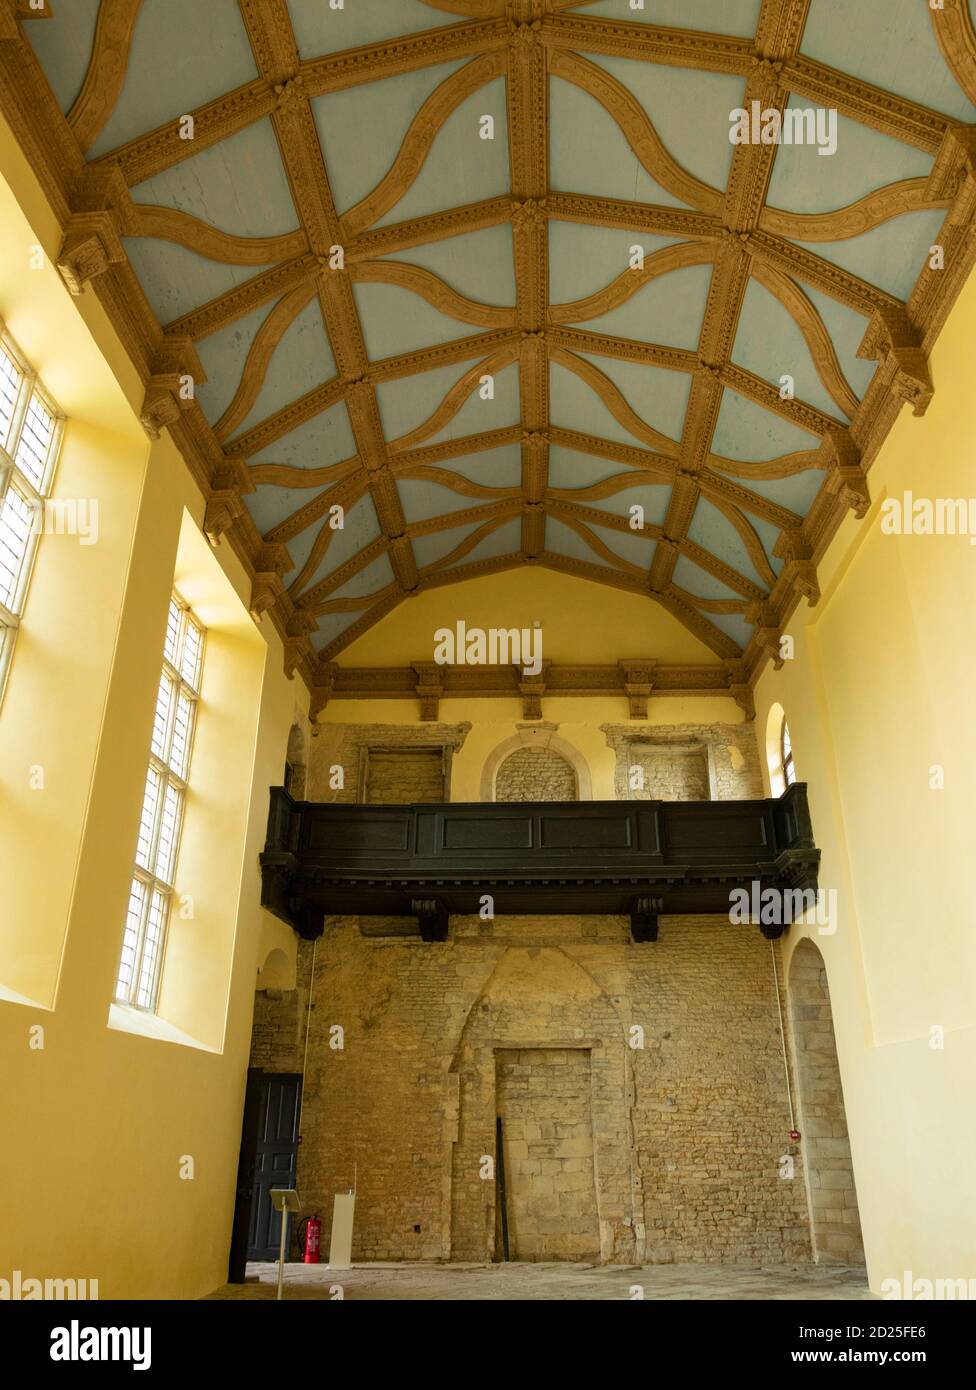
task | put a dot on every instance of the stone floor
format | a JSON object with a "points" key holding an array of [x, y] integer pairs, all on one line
{"points": [[521, 1282]]}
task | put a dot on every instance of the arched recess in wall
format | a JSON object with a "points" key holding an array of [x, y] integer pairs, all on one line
{"points": [[834, 1217], [779, 751], [545, 740], [543, 1046]]}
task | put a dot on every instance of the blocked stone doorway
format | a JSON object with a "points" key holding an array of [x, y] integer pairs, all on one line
{"points": [[543, 1102]]}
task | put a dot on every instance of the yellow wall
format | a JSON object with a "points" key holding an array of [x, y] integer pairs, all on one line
{"points": [[582, 622], [579, 723], [99, 1121], [879, 692]]}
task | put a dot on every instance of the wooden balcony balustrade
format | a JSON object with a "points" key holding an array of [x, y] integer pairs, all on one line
{"points": [[645, 859]]}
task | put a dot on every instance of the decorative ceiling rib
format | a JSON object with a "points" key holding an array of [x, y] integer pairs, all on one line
{"points": [[447, 342]]}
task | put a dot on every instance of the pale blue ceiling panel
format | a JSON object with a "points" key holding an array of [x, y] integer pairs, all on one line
{"points": [[480, 265], [437, 545], [375, 576], [422, 499], [694, 580], [63, 47], [733, 625], [409, 401], [710, 529], [573, 405], [333, 625], [300, 547], [846, 328], [749, 433], [688, 108], [584, 259], [505, 540], [360, 527], [564, 540], [461, 167], [603, 165], [892, 256], [738, 17], [659, 397], [270, 506], [326, 438], [238, 185], [667, 311], [653, 497], [396, 321], [769, 343], [804, 180], [204, 52], [769, 534], [890, 43], [500, 467], [361, 128], [796, 492], [224, 355], [301, 361], [568, 468], [176, 280], [321, 29], [632, 546]]}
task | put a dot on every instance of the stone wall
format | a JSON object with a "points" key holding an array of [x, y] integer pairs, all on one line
{"points": [[404, 776], [278, 1028], [686, 762], [535, 774], [667, 1150], [341, 754], [671, 1150]]}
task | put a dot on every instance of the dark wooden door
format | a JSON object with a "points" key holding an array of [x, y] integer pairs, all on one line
{"points": [[268, 1158]]}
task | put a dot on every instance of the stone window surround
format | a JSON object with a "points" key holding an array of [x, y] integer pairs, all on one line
{"points": [[448, 742], [703, 747], [536, 735]]}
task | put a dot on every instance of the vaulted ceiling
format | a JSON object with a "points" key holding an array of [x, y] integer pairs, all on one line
{"points": [[395, 250]]}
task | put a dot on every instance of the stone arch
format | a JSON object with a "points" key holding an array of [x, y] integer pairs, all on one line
{"points": [[277, 972], [545, 1048], [825, 1145], [537, 737]]}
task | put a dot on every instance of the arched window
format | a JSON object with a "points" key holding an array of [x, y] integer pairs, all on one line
{"points": [[786, 754], [779, 752]]}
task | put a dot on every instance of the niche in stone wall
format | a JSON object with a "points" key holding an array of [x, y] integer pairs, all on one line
{"points": [[404, 776], [543, 1050], [685, 762], [672, 772], [535, 774], [536, 765]]}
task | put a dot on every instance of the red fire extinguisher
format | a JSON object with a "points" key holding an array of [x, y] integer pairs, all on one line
{"points": [[313, 1232]]}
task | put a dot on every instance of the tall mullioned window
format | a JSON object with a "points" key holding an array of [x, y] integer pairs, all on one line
{"points": [[30, 438], [163, 805]]}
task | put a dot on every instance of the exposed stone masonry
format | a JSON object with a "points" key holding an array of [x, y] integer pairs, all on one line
{"points": [[349, 746], [686, 762], [661, 1145], [404, 776], [687, 1130], [535, 774]]}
